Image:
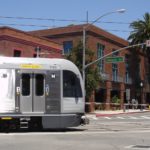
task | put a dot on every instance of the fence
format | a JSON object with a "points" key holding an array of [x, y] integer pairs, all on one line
{"points": [[117, 106], [128, 106]]}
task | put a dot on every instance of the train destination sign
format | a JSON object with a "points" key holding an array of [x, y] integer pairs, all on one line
{"points": [[31, 66], [114, 59]]}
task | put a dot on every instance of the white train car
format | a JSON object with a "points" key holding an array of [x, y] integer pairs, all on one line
{"points": [[40, 92]]}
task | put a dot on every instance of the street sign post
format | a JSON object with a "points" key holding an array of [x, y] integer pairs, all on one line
{"points": [[114, 59], [128, 94]]}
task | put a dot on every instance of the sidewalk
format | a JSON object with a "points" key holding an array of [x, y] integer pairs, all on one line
{"points": [[100, 113]]}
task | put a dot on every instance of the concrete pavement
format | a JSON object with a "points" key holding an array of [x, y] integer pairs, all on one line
{"points": [[99, 113]]}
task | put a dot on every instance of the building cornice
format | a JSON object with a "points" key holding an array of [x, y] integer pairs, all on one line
{"points": [[78, 29], [30, 43]]}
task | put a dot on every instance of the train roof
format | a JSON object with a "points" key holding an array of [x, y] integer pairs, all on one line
{"points": [[45, 63]]}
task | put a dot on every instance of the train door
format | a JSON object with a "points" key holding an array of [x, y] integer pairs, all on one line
{"points": [[32, 91]]}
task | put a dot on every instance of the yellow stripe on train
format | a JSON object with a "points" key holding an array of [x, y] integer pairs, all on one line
{"points": [[31, 66]]}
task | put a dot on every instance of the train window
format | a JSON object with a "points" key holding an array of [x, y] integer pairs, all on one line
{"points": [[25, 84], [39, 84], [71, 85]]}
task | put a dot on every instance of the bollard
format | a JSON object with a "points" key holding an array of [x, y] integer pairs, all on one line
{"points": [[124, 108], [141, 107]]}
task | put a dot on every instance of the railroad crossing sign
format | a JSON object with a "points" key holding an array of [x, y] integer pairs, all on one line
{"points": [[114, 59], [148, 43]]}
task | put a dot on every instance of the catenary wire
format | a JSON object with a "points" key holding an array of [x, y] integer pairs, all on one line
{"points": [[61, 20], [46, 26], [67, 20]]}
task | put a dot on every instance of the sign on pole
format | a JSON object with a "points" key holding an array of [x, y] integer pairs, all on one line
{"points": [[114, 59], [127, 94], [148, 43]]}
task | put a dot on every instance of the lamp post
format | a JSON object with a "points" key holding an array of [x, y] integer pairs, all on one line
{"points": [[142, 103], [141, 85], [37, 50], [84, 42]]}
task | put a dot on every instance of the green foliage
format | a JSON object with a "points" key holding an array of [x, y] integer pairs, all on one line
{"points": [[115, 99], [140, 33], [76, 56], [92, 76], [141, 30]]}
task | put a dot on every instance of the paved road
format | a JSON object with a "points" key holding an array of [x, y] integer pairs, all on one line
{"points": [[119, 132], [125, 122]]}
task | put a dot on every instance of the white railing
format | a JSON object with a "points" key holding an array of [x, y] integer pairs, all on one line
{"points": [[117, 79], [109, 77], [105, 76]]}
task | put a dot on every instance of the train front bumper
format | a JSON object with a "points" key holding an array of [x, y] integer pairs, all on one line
{"points": [[85, 120]]}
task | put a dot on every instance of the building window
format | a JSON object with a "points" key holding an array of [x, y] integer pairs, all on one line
{"points": [[67, 45], [17, 53], [34, 55], [127, 76], [115, 68], [100, 53], [114, 72]]}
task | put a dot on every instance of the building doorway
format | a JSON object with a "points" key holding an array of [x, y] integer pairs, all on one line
{"points": [[100, 95]]}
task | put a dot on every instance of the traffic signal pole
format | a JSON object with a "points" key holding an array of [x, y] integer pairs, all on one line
{"points": [[95, 61]]}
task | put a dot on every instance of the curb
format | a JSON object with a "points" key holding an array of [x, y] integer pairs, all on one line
{"points": [[121, 113]]}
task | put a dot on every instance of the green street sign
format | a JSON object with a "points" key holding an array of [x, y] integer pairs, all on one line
{"points": [[114, 59]]}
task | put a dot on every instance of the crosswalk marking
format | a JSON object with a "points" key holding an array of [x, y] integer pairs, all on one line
{"points": [[93, 117], [107, 117], [131, 117], [145, 117], [119, 117]]}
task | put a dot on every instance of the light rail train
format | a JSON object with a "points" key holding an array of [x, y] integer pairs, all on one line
{"points": [[40, 92]]}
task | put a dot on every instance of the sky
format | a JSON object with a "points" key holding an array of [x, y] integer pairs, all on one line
{"points": [[23, 14]]}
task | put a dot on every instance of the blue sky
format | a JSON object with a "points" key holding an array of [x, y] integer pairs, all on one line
{"points": [[63, 10]]}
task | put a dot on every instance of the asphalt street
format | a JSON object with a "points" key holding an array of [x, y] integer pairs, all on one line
{"points": [[116, 132]]}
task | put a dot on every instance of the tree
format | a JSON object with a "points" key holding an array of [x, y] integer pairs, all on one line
{"points": [[92, 76], [141, 31]]}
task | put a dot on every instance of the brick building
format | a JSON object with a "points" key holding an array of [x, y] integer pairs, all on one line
{"points": [[18, 43], [119, 79]]}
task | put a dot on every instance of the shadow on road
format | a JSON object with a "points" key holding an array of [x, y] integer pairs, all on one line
{"points": [[43, 130]]}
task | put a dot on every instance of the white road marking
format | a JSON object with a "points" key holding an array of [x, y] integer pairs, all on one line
{"points": [[71, 133], [132, 117], [95, 118], [145, 117], [135, 147], [120, 117], [107, 117], [92, 117]]}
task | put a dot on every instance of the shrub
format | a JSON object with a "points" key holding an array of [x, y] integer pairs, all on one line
{"points": [[115, 99]]}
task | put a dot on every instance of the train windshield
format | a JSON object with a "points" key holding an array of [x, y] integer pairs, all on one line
{"points": [[71, 85]]}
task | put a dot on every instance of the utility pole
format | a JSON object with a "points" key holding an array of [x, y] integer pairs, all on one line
{"points": [[84, 66], [37, 50]]}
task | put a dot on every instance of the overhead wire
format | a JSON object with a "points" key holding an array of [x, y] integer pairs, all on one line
{"points": [[31, 25], [57, 20], [67, 20]]}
